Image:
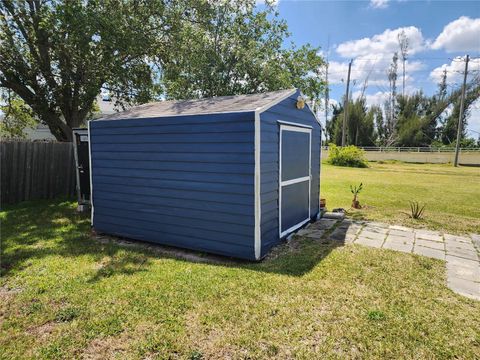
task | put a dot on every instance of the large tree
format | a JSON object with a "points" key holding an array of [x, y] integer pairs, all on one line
{"points": [[448, 131], [56, 55], [233, 47], [360, 124]]}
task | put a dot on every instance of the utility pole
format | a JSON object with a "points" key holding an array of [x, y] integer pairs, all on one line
{"points": [[345, 107], [327, 89], [460, 116]]}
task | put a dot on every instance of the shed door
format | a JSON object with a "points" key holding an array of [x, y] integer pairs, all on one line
{"points": [[83, 167], [295, 177]]}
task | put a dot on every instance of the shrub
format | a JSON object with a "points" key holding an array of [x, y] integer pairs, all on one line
{"points": [[416, 210], [347, 156]]}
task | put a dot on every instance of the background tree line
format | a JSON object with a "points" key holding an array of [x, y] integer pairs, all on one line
{"points": [[416, 120], [406, 119], [57, 56]]}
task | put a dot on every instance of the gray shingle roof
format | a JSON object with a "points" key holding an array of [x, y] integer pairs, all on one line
{"points": [[202, 106]]}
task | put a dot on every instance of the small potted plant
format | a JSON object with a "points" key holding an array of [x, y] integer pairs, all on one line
{"points": [[355, 190]]}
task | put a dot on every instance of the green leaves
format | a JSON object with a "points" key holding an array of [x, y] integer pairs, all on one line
{"points": [[228, 48], [58, 55], [17, 116]]}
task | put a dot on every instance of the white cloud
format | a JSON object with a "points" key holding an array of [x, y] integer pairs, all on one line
{"points": [[377, 98], [374, 70], [386, 42], [455, 71], [473, 127], [462, 34], [379, 4]]}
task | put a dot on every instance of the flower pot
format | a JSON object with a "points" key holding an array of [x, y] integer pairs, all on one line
{"points": [[323, 203]]}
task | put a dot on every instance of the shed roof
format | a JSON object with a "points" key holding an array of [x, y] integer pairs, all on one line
{"points": [[218, 104]]}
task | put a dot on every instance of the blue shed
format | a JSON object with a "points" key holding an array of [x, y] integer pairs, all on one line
{"points": [[230, 175]]}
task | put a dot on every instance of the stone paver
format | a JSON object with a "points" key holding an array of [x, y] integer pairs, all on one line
{"points": [[464, 254], [372, 235], [324, 224], [428, 236], [456, 239], [464, 287], [430, 244], [374, 229], [461, 253], [377, 243], [403, 246], [429, 252], [453, 245], [400, 233]]}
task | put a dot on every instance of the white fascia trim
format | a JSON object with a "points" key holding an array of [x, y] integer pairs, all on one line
{"points": [[91, 173], [257, 183], [276, 101], [175, 115], [315, 116]]}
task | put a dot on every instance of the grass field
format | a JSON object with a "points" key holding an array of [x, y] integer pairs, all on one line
{"points": [[451, 195], [66, 295]]}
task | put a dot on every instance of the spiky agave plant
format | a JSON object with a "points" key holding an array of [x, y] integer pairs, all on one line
{"points": [[416, 211], [355, 190]]}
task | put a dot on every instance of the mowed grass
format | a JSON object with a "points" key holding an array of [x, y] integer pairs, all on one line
{"points": [[451, 195], [66, 295]]}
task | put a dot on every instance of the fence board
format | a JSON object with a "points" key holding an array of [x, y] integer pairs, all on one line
{"points": [[36, 170]]}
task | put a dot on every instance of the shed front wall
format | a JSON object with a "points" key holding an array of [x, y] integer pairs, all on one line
{"points": [[186, 181], [270, 121]]}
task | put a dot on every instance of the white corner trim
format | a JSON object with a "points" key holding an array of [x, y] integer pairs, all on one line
{"points": [[315, 116], [257, 183], [173, 115], [91, 173], [276, 101]]}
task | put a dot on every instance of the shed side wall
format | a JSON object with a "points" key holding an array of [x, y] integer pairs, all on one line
{"points": [[186, 181], [270, 131]]}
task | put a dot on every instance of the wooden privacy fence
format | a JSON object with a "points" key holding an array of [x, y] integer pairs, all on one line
{"points": [[36, 170]]}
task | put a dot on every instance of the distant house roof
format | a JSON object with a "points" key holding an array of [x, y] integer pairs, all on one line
{"points": [[219, 104]]}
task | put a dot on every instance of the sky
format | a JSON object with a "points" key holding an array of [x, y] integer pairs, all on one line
{"points": [[440, 33]]}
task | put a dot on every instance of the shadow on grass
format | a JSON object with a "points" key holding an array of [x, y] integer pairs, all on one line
{"points": [[36, 230], [39, 229]]}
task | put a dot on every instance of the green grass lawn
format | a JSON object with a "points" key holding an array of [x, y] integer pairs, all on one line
{"points": [[66, 295], [451, 195]]}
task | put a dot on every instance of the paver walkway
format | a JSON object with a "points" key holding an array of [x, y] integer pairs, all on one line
{"points": [[459, 252]]}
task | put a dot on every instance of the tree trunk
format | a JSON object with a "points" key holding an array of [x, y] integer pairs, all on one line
{"points": [[57, 126]]}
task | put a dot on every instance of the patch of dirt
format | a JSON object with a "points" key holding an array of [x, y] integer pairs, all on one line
{"points": [[42, 331], [105, 348], [7, 292]]}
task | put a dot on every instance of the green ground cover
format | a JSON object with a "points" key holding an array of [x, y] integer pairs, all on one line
{"points": [[451, 195], [64, 294]]}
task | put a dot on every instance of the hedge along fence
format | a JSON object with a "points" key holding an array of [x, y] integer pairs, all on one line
{"points": [[36, 170]]}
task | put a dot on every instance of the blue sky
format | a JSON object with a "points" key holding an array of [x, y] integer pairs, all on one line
{"points": [[366, 31]]}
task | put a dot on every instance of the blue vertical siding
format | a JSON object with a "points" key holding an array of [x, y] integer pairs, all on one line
{"points": [[186, 181], [269, 156]]}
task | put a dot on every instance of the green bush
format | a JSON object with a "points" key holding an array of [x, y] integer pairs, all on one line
{"points": [[347, 156]]}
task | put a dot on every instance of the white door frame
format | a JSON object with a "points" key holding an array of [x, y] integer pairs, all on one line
{"points": [[281, 183]]}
